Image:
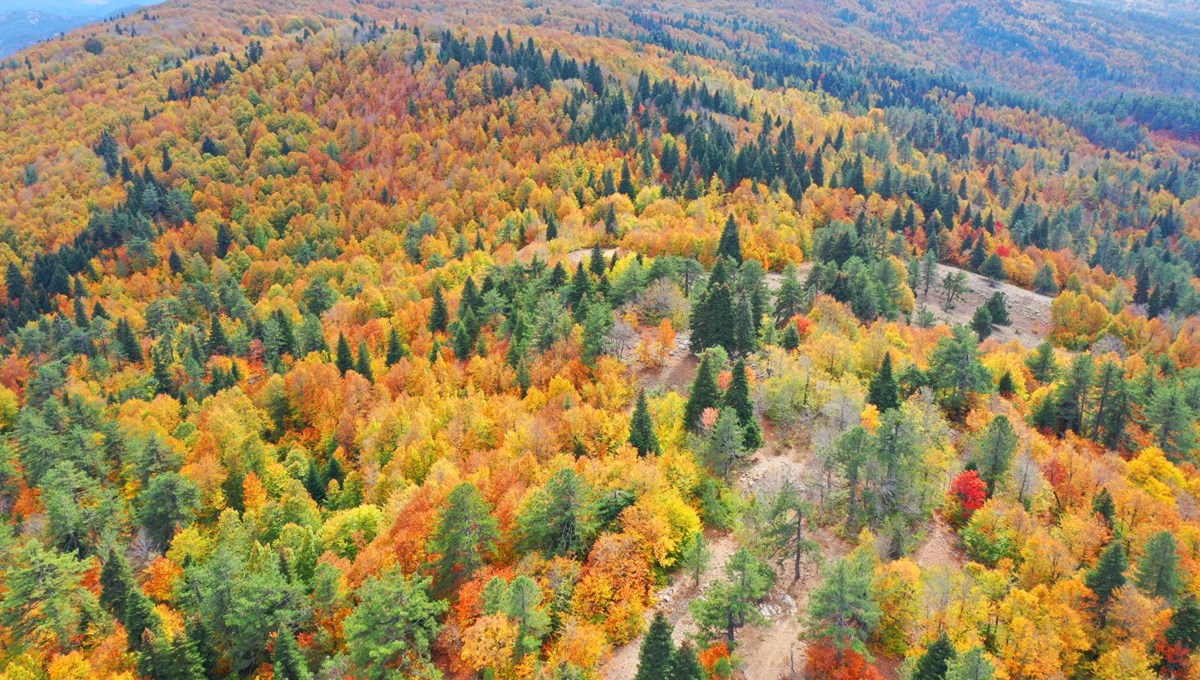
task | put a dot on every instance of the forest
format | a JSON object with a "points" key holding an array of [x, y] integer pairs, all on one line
{"points": [[370, 340]]}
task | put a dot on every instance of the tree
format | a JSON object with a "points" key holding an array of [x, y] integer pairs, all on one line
{"points": [[553, 520], [694, 557], [712, 319], [971, 665], [43, 603], [1006, 386], [439, 315], [1112, 406], [981, 322], [392, 628], [883, 391], [730, 604], [935, 662], [654, 658], [789, 299], [1172, 422], [362, 365], [685, 664], [224, 240], [128, 346], [641, 428], [730, 245], [344, 359], [993, 268], [956, 371], [738, 399], [954, 285], [287, 661], [1103, 506], [784, 526], [1042, 363], [1158, 570], [1109, 573], [997, 306], [994, 451], [169, 502], [465, 537], [842, 608], [395, 348], [1044, 281], [726, 444], [704, 395]]}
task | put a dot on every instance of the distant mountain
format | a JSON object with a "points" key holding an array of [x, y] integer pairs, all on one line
{"points": [[25, 25]]}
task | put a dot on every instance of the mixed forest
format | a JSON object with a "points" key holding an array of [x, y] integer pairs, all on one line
{"points": [[502, 340]]}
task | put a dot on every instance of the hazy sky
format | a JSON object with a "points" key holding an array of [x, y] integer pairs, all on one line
{"points": [[72, 7]]}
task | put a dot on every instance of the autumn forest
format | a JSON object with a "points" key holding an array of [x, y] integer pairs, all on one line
{"points": [[771, 340]]}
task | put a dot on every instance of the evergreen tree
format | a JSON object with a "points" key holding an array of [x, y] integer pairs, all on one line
{"points": [[439, 315], [993, 268], [726, 444], [391, 631], [883, 391], [362, 365], [1185, 623], [730, 245], [981, 322], [116, 580], [1044, 281], [1112, 406], [685, 664], [1042, 363], [1104, 506], [956, 371], [218, 343], [343, 358], [655, 656], [935, 662], [997, 306], [1006, 386], [994, 452], [128, 346], [626, 186], [224, 240], [1109, 573], [641, 428], [554, 520], [842, 608], [791, 338], [971, 665], [704, 395], [395, 348], [287, 661], [712, 319], [789, 299], [1158, 570], [738, 399], [465, 537], [1172, 422], [730, 604]]}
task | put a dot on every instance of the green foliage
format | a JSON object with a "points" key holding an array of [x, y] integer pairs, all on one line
{"points": [[657, 652], [883, 391], [391, 631], [1158, 570], [704, 395], [1109, 573], [738, 399], [465, 536], [730, 603], [957, 374], [934, 663], [555, 519], [641, 428], [842, 608]]}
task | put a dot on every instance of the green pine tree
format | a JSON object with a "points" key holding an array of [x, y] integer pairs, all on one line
{"points": [[738, 399], [730, 245], [1158, 570], [344, 359], [655, 656], [439, 315], [704, 395], [1109, 573], [883, 392], [641, 428], [934, 663]]}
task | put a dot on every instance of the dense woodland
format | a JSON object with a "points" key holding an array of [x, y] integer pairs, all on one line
{"points": [[359, 340]]}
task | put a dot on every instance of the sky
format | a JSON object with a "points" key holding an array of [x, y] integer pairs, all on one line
{"points": [[80, 8]]}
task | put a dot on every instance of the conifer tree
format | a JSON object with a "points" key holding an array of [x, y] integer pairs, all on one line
{"points": [[1158, 570], [439, 315], [712, 318], [218, 343], [465, 537], [685, 664], [883, 391], [934, 663], [1109, 573], [127, 343], [704, 395], [981, 322], [641, 428], [1104, 506], [993, 268], [654, 658], [1042, 363], [738, 399], [730, 245], [395, 348], [791, 338], [362, 364], [343, 358]]}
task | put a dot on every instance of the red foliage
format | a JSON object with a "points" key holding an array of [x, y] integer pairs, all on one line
{"points": [[827, 663], [711, 655], [968, 493], [1176, 659]]}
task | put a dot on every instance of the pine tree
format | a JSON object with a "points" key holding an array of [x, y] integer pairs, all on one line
{"points": [[738, 399], [685, 664], [654, 658], [395, 348], [997, 306], [934, 663], [712, 319], [1185, 623], [1042, 363], [439, 315], [971, 665], [1172, 422], [626, 186], [224, 240], [641, 428], [789, 299], [287, 662], [1104, 506], [596, 264], [1109, 573], [127, 343], [1158, 570], [791, 338], [218, 343], [465, 537], [116, 580], [993, 268], [1006, 386], [956, 371], [730, 245], [883, 391], [981, 322], [1044, 281], [995, 451], [362, 364], [343, 358], [704, 395]]}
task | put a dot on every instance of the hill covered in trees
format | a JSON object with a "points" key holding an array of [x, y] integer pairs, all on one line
{"points": [[563, 340]]}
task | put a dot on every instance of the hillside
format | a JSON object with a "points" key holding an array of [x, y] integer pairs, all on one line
{"points": [[394, 340]]}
